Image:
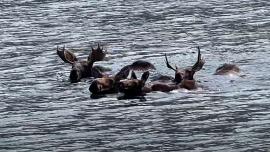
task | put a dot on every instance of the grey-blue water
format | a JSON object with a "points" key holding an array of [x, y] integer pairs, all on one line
{"points": [[40, 110]]}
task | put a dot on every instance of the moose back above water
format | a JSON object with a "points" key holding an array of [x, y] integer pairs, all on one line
{"points": [[227, 69]]}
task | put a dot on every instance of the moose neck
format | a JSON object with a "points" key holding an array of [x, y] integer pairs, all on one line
{"points": [[188, 84], [90, 64]]}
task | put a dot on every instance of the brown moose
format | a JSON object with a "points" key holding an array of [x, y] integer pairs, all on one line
{"points": [[83, 68]]}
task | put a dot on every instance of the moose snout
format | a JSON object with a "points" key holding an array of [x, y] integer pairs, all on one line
{"points": [[94, 87], [75, 76]]}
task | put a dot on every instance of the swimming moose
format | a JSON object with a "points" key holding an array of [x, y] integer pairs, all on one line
{"points": [[83, 68], [227, 69]]}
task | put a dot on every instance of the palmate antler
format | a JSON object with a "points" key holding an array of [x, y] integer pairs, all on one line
{"points": [[66, 55], [97, 54], [135, 66], [200, 62], [141, 65]]}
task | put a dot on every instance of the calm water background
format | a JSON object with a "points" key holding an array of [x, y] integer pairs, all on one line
{"points": [[42, 111]]}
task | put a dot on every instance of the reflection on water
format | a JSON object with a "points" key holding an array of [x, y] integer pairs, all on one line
{"points": [[41, 110]]}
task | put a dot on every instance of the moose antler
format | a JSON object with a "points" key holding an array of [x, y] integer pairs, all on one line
{"points": [[135, 66], [97, 54], [66, 55], [141, 65], [168, 65], [200, 62]]}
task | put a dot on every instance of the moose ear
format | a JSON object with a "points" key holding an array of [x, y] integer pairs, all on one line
{"points": [[145, 76], [66, 55], [133, 75]]}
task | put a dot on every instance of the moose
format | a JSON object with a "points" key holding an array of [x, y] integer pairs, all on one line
{"points": [[227, 69], [184, 78], [83, 68]]}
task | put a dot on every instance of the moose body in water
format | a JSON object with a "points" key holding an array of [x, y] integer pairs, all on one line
{"points": [[184, 78], [83, 68], [111, 84], [227, 69]]}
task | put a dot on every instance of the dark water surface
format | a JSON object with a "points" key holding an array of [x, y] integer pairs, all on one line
{"points": [[42, 111]]}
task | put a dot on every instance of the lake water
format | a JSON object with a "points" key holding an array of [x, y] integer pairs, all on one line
{"points": [[42, 111]]}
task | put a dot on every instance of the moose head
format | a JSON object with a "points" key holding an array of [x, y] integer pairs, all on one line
{"points": [[184, 76], [133, 86], [82, 69]]}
